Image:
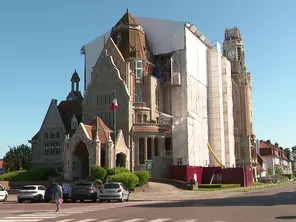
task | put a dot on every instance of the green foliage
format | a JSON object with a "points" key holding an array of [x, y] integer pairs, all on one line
{"points": [[17, 158], [257, 183], [97, 172], [279, 170], [288, 153], [118, 170], [270, 171], [130, 180], [218, 185], [192, 181], [143, 176], [34, 174], [99, 182]]}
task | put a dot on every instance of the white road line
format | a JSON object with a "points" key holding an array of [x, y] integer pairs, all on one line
{"points": [[109, 220], [66, 220], [28, 220], [189, 220], [133, 220], [86, 220], [160, 219]]}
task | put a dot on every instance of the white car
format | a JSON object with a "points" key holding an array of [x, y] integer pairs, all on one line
{"points": [[3, 194], [114, 191], [34, 193]]}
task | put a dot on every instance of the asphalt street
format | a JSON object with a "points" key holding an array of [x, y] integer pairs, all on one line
{"points": [[272, 205]]}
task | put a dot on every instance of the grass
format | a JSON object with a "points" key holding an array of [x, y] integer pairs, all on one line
{"points": [[262, 187]]}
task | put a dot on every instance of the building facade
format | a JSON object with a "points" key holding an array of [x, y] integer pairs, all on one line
{"points": [[245, 143], [175, 98]]}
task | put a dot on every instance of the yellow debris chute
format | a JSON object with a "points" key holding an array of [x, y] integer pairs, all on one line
{"points": [[216, 158]]}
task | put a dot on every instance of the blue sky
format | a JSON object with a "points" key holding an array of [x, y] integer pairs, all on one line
{"points": [[41, 41]]}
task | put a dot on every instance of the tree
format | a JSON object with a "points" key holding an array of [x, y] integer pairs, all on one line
{"points": [[17, 158], [288, 153]]}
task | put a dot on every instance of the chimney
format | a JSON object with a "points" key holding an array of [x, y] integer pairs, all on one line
{"points": [[268, 141], [276, 145]]}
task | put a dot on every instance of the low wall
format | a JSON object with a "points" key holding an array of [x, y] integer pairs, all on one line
{"points": [[205, 174], [5, 184], [20, 184]]}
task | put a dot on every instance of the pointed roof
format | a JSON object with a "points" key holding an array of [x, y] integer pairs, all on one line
{"points": [[75, 77], [69, 108], [128, 19], [98, 126]]}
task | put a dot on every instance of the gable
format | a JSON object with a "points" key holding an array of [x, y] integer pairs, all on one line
{"points": [[120, 141], [53, 117]]}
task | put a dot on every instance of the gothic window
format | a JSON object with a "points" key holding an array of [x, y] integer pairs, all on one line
{"points": [[139, 118], [118, 39], [156, 99], [101, 100], [46, 136], [74, 124], [139, 70], [139, 95], [57, 135], [145, 118], [51, 135]]}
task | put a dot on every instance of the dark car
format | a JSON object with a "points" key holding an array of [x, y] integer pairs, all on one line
{"points": [[85, 191], [67, 192]]}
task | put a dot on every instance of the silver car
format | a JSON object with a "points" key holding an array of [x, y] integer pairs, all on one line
{"points": [[114, 191]]}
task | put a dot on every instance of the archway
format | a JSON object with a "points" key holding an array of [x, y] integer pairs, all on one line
{"points": [[80, 161], [120, 160]]}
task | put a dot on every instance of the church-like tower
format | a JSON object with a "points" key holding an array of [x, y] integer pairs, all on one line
{"points": [[233, 49]]}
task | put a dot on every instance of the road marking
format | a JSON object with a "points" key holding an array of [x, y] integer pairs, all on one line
{"points": [[160, 219], [66, 220], [29, 220], [86, 220], [133, 220], [109, 220]]}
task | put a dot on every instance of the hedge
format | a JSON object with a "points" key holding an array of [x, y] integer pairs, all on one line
{"points": [[119, 170], [97, 172], [218, 185], [35, 174], [130, 180], [144, 176]]}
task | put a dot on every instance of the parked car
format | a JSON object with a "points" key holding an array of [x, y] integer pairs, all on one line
{"points": [[85, 191], [34, 193], [67, 192], [3, 194], [114, 191]]}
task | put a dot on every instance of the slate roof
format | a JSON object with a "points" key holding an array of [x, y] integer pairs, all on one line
{"points": [[98, 125], [67, 109]]}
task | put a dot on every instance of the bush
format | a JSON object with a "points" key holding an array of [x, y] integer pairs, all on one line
{"points": [[99, 182], [143, 176], [34, 174], [218, 185], [97, 172], [130, 180], [111, 171], [257, 183]]}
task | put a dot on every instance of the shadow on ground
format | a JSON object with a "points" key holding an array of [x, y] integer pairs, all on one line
{"points": [[286, 217], [284, 198]]}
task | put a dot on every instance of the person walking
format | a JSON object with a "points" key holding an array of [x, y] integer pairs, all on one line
{"points": [[58, 195]]}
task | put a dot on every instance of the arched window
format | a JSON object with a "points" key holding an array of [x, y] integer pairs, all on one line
{"points": [[139, 118], [145, 118], [57, 135], [51, 135], [46, 136]]}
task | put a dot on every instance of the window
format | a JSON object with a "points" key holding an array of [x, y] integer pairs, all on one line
{"points": [[156, 99], [74, 124], [46, 136], [57, 135], [179, 161], [52, 135], [139, 95], [145, 118], [139, 70], [118, 40]]}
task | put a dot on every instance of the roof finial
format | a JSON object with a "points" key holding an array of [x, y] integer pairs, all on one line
{"points": [[75, 70], [127, 10]]}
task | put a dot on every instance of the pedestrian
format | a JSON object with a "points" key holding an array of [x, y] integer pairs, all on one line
{"points": [[58, 195]]}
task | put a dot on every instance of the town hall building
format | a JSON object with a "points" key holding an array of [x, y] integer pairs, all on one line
{"points": [[175, 103]]}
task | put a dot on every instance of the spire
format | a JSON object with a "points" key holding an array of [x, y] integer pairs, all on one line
{"points": [[75, 81]]}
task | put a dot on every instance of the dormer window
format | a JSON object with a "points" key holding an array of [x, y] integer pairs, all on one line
{"points": [[139, 69], [74, 123], [118, 40]]}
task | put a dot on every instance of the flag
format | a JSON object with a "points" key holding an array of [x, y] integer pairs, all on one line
{"points": [[114, 104]]}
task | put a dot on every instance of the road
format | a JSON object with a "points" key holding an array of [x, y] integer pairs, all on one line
{"points": [[272, 205]]}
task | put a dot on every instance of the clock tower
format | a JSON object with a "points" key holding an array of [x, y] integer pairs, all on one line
{"points": [[245, 142]]}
